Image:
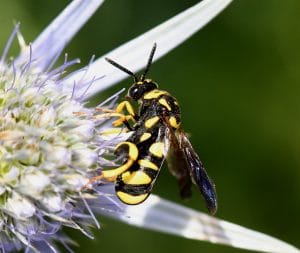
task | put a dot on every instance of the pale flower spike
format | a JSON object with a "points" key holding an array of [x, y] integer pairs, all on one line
{"points": [[50, 144]]}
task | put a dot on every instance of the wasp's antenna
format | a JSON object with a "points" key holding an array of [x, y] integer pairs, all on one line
{"points": [[117, 65], [149, 62]]}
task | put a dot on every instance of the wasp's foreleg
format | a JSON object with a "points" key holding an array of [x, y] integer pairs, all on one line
{"points": [[124, 120], [118, 112]]}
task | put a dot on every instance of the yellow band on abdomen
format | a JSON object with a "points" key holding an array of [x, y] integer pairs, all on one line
{"points": [[130, 199]]}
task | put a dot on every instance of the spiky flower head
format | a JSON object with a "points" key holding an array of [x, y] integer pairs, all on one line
{"points": [[49, 147]]}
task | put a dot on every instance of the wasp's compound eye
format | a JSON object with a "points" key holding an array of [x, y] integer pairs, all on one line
{"points": [[136, 92], [139, 89]]}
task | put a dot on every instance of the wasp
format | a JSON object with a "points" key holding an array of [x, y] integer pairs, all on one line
{"points": [[157, 136]]}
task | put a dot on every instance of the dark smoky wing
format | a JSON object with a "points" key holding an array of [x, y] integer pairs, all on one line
{"points": [[177, 164], [198, 173]]}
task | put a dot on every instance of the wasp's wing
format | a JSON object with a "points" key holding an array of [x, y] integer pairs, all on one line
{"points": [[197, 172], [135, 185], [177, 165]]}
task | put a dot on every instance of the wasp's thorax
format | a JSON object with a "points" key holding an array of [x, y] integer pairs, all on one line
{"points": [[140, 88]]}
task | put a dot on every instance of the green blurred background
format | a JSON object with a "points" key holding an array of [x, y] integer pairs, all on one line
{"points": [[238, 82]]}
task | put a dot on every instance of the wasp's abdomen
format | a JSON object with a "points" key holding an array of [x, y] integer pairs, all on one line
{"points": [[135, 185]]}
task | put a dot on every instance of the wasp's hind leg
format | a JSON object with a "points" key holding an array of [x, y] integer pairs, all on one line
{"points": [[132, 152]]}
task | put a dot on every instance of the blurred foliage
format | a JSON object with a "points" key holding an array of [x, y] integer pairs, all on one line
{"points": [[238, 82]]}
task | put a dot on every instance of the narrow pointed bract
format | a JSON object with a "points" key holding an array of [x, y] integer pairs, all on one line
{"points": [[52, 41], [50, 146], [167, 35], [164, 216]]}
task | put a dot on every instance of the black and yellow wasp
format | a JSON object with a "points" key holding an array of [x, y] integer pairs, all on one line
{"points": [[157, 135]]}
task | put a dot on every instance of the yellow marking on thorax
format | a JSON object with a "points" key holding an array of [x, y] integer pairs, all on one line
{"points": [[157, 149], [151, 122], [145, 137], [154, 94], [136, 178], [173, 122], [130, 199], [132, 156], [164, 102], [147, 164]]}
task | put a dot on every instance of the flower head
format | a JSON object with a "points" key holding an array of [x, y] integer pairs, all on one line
{"points": [[49, 148], [51, 144]]}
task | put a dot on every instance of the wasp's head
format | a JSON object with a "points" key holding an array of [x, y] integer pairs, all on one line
{"points": [[138, 89], [140, 85]]}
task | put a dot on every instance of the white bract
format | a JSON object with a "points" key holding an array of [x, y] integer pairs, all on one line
{"points": [[51, 144]]}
